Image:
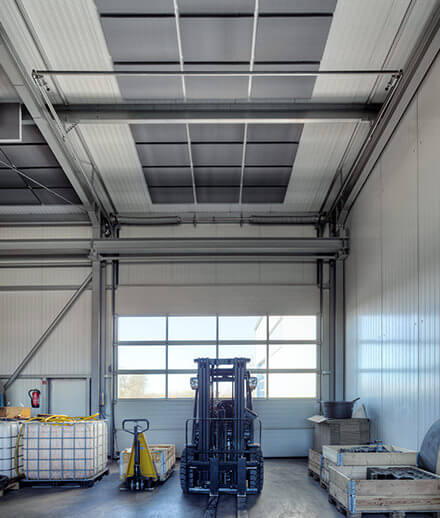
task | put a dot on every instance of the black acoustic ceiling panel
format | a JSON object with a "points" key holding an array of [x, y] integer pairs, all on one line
{"points": [[48, 198], [217, 36], [217, 176], [38, 168], [29, 155], [218, 194], [168, 176], [18, 197], [262, 176], [216, 132], [152, 155], [219, 154], [174, 195], [270, 154], [10, 179], [264, 194]]}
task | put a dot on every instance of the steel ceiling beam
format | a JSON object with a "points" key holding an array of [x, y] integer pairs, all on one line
{"points": [[222, 113], [168, 249], [202, 247], [217, 73]]}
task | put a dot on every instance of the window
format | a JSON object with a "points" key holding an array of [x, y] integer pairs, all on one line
{"points": [[141, 328], [156, 353]]}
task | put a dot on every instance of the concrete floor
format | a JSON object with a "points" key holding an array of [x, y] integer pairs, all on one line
{"points": [[288, 492]]}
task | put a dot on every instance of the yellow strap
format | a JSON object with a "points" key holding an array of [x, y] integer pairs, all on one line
{"points": [[146, 461]]}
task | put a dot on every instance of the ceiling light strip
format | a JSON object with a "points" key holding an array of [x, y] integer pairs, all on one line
{"points": [[181, 62]]}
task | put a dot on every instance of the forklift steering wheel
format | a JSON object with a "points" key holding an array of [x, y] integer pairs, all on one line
{"points": [[135, 421]]}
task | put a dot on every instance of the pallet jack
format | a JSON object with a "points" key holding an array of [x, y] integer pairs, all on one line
{"points": [[141, 473]]}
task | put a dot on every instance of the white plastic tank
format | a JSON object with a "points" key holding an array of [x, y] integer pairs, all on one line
{"points": [[9, 431], [64, 451]]}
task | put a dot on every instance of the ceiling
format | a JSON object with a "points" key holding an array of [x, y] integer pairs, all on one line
{"points": [[175, 168]]}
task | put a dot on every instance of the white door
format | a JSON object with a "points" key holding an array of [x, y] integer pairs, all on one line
{"points": [[68, 397]]}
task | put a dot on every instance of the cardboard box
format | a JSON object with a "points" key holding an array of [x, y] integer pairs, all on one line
{"points": [[14, 412], [339, 431]]}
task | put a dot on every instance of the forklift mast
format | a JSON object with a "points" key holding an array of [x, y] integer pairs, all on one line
{"points": [[222, 455]]}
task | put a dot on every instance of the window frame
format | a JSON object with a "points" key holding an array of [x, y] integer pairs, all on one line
{"points": [[217, 343]]}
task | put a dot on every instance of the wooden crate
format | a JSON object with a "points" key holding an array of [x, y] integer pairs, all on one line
{"points": [[351, 492], [15, 412], [163, 455], [339, 431], [314, 464], [318, 467], [394, 457]]}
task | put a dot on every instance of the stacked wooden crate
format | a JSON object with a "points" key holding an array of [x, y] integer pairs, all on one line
{"points": [[318, 467], [333, 431], [339, 431], [354, 495]]}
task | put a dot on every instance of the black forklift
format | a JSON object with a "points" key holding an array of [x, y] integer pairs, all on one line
{"points": [[222, 455]]}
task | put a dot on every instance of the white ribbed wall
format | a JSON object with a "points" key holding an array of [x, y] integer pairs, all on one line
{"points": [[393, 279], [30, 298]]}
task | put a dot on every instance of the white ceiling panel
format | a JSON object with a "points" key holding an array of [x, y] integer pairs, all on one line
{"points": [[361, 36], [114, 152]]}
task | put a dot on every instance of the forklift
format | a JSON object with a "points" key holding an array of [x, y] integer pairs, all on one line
{"points": [[222, 456]]}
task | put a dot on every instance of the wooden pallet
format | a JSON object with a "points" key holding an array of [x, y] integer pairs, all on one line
{"points": [[88, 482], [392, 514], [318, 468], [12, 485]]}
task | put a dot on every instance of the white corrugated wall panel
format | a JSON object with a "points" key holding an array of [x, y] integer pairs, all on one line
{"points": [[368, 256], [429, 248], [410, 283], [225, 300], [25, 316], [285, 429], [43, 276], [46, 232]]}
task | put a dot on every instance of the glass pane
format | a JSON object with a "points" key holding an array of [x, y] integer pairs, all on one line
{"points": [[292, 327], [242, 328], [260, 391], [192, 328], [146, 357], [141, 328], [179, 385], [225, 388], [141, 386], [292, 356], [256, 353], [292, 385], [182, 356]]}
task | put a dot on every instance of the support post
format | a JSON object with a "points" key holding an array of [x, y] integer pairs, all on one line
{"points": [[332, 328], [340, 331], [97, 396]]}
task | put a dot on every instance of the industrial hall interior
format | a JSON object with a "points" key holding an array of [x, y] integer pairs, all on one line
{"points": [[219, 258]]}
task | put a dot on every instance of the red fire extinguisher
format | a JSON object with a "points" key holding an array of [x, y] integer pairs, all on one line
{"points": [[34, 394]]}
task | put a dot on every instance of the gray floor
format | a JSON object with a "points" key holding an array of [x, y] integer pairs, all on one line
{"points": [[288, 492]]}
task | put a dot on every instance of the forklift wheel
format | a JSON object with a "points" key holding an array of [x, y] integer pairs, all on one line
{"points": [[184, 472]]}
